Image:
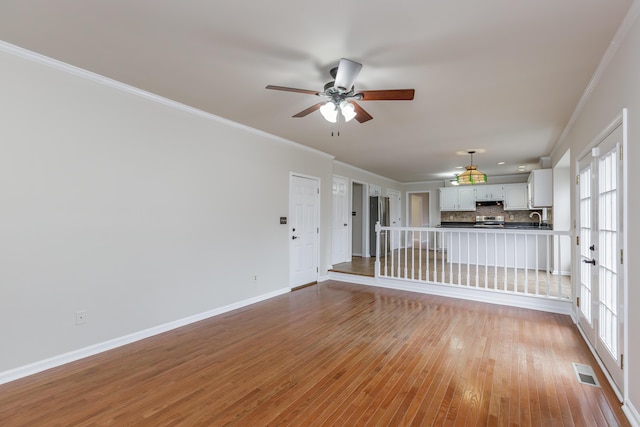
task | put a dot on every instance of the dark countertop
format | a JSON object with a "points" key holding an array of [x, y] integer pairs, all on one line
{"points": [[507, 225], [451, 224]]}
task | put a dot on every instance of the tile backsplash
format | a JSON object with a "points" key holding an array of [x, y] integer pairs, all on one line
{"points": [[509, 216]]}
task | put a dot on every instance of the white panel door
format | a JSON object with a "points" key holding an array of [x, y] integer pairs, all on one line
{"points": [[340, 234], [600, 281], [304, 230]]}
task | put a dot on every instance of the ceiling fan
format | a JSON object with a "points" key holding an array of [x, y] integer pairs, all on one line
{"points": [[342, 96]]}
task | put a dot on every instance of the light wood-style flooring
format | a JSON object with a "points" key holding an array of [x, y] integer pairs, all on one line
{"points": [[332, 354]]}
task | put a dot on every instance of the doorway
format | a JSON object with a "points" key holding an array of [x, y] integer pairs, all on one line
{"points": [[395, 216], [358, 214], [304, 213], [600, 279], [418, 211], [340, 221]]}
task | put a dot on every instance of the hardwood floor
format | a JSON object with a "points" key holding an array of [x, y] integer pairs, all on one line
{"points": [[332, 354]]}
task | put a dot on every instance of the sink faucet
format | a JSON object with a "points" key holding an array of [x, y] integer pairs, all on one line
{"points": [[539, 218]]}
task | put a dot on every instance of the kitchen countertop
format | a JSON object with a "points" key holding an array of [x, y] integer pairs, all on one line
{"points": [[507, 225]]}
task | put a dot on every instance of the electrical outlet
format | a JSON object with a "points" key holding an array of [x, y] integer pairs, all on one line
{"points": [[81, 317], [255, 277]]}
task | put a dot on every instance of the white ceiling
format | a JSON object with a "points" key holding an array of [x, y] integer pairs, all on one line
{"points": [[501, 77]]}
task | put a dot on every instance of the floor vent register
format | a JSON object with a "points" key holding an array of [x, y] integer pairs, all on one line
{"points": [[585, 375]]}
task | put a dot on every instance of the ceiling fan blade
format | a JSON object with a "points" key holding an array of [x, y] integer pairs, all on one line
{"points": [[310, 109], [361, 115], [292, 89], [388, 95], [347, 74]]}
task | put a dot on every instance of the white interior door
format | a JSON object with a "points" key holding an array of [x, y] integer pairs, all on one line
{"points": [[600, 278], [395, 216], [304, 230], [340, 234]]}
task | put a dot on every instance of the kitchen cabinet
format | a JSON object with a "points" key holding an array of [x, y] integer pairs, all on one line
{"points": [[457, 199], [489, 193], [540, 188], [516, 197]]}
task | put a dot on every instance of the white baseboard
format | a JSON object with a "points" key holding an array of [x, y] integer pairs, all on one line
{"points": [[481, 295], [632, 413], [604, 370], [72, 356]]}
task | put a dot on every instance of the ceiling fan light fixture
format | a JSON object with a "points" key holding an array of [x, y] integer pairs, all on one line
{"points": [[348, 110], [329, 112], [471, 175]]}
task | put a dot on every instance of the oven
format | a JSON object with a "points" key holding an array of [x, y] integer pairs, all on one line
{"points": [[486, 221]]}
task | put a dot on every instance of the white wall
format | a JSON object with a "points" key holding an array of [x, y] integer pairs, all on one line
{"points": [[618, 88], [138, 212]]}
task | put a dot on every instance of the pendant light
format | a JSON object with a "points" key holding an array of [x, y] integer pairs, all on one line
{"points": [[472, 175]]}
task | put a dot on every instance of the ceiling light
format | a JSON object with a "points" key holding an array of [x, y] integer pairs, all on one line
{"points": [[329, 111], [472, 175], [348, 110], [501, 163]]}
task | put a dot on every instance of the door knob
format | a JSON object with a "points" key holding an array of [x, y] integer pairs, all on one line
{"points": [[589, 261], [592, 247], [295, 237]]}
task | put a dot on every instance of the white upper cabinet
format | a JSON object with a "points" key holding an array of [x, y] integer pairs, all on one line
{"points": [[448, 198], [516, 197], [489, 192], [540, 186], [466, 199], [457, 199]]}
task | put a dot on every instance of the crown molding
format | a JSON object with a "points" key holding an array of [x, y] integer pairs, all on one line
{"points": [[123, 87], [628, 21]]}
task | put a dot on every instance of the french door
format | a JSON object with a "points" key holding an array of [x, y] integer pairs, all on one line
{"points": [[600, 278]]}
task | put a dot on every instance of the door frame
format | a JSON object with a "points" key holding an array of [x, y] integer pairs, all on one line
{"points": [[347, 206], [396, 241], [408, 206], [289, 233], [365, 218], [619, 120]]}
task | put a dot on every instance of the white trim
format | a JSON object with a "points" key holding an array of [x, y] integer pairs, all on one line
{"points": [[72, 356], [604, 370], [632, 413], [625, 250], [355, 168], [460, 292], [623, 30], [97, 78], [365, 216]]}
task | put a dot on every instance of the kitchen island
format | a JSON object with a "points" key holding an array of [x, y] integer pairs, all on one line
{"points": [[518, 247]]}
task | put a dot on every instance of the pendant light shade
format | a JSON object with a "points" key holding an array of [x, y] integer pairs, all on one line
{"points": [[472, 175], [329, 111], [348, 110]]}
